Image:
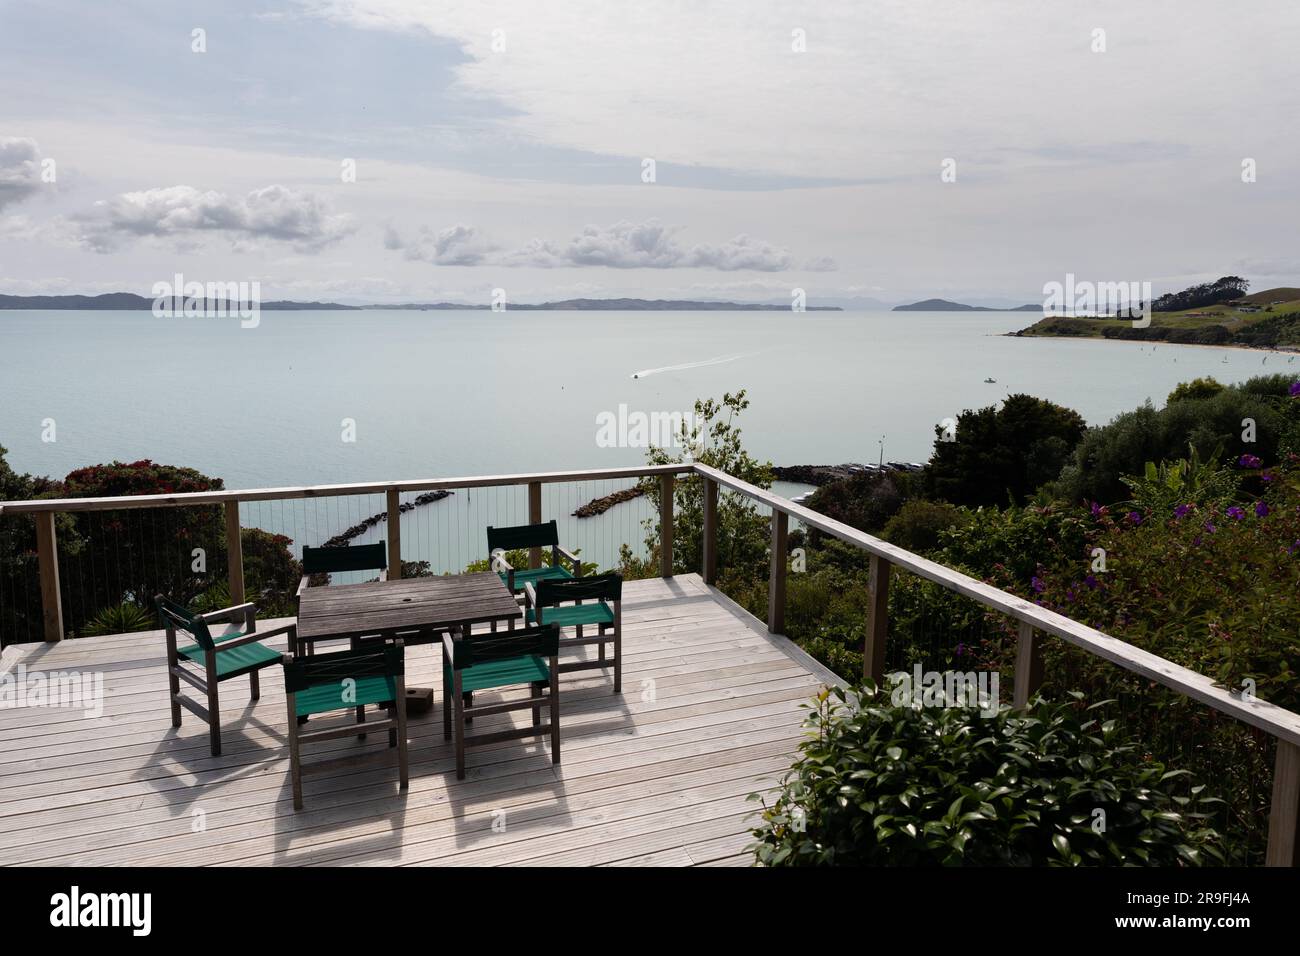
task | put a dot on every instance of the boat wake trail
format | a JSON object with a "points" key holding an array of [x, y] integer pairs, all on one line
{"points": [[720, 360]]}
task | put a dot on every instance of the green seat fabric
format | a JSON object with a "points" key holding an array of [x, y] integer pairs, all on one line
{"points": [[570, 614], [323, 698], [533, 575], [503, 673], [237, 660]]}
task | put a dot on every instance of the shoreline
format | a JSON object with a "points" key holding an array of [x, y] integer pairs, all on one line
{"points": [[1280, 349]]}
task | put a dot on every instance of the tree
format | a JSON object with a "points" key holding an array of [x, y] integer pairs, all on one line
{"points": [[1209, 293], [1197, 388], [711, 439], [1124, 446], [134, 553], [1003, 453]]}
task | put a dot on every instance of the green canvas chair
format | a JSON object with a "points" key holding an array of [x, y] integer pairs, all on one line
{"points": [[490, 661], [545, 535], [234, 653], [336, 560], [344, 681], [596, 600]]}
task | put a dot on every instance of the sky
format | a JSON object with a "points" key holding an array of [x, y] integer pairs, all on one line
{"points": [[396, 151]]}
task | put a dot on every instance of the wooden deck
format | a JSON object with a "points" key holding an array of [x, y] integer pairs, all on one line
{"points": [[655, 776]]}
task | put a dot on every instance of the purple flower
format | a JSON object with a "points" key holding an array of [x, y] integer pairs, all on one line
{"points": [[1037, 584], [961, 648], [1266, 477], [1096, 509], [1295, 389], [1249, 461], [1235, 513], [1092, 582], [1261, 509], [1209, 526], [1182, 511], [1135, 517], [1292, 549]]}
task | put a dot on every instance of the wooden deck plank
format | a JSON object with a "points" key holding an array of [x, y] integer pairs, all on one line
{"points": [[648, 778]]}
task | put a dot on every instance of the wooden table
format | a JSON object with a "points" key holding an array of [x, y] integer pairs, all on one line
{"points": [[411, 607]]}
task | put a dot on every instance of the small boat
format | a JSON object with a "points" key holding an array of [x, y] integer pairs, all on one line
{"points": [[990, 381]]}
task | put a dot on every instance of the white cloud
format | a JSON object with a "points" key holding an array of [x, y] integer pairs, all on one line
{"points": [[456, 245], [650, 245], [20, 169], [184, 213]]}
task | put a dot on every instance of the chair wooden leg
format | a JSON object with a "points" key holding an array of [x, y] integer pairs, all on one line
{"points": [[355, 644], [173, 682], [535, 692], [469, 702], [459, 728], [403, 764], [555, 710], [618, 652], [214, 706], [255, 686], [295, 754]]}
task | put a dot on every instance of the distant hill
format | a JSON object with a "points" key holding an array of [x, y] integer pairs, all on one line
{"points": [[126, 301], [130, 302], [1268, 319], [943, 305]]}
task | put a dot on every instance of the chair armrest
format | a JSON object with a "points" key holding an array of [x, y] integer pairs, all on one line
{"points": [[290, 629], [573, 559], [531, 594], [229, 613], [448, 651], [302, 585], [246, 639]]}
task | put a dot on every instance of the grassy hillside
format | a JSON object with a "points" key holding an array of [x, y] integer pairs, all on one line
{"points": [[1276, 325]]}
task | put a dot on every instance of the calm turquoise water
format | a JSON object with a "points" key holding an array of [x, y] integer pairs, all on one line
{"points": [[465, 393], [450, 393]]}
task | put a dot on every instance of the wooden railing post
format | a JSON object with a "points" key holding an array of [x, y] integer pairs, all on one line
{"points": [[234, 553], [394, 535], [666, 526], [47, 558], [534, 517], [1284, 815], [873, 649], [1029, 664], [777, 574], [710, 559]]}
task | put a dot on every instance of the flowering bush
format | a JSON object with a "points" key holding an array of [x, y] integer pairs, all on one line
{"points": [[1055, 785]]}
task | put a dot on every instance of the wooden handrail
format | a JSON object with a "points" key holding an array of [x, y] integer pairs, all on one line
{"points": [[188, 499], [1276, 720]]}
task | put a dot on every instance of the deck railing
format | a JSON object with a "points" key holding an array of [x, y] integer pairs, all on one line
{"points": [[1035, 623]]}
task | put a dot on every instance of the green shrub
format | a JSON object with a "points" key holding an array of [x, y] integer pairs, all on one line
{"points": [[121, 619], [1196, 388], [882, 784], [1124, 446], [918, 524], [1001, 453]]}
